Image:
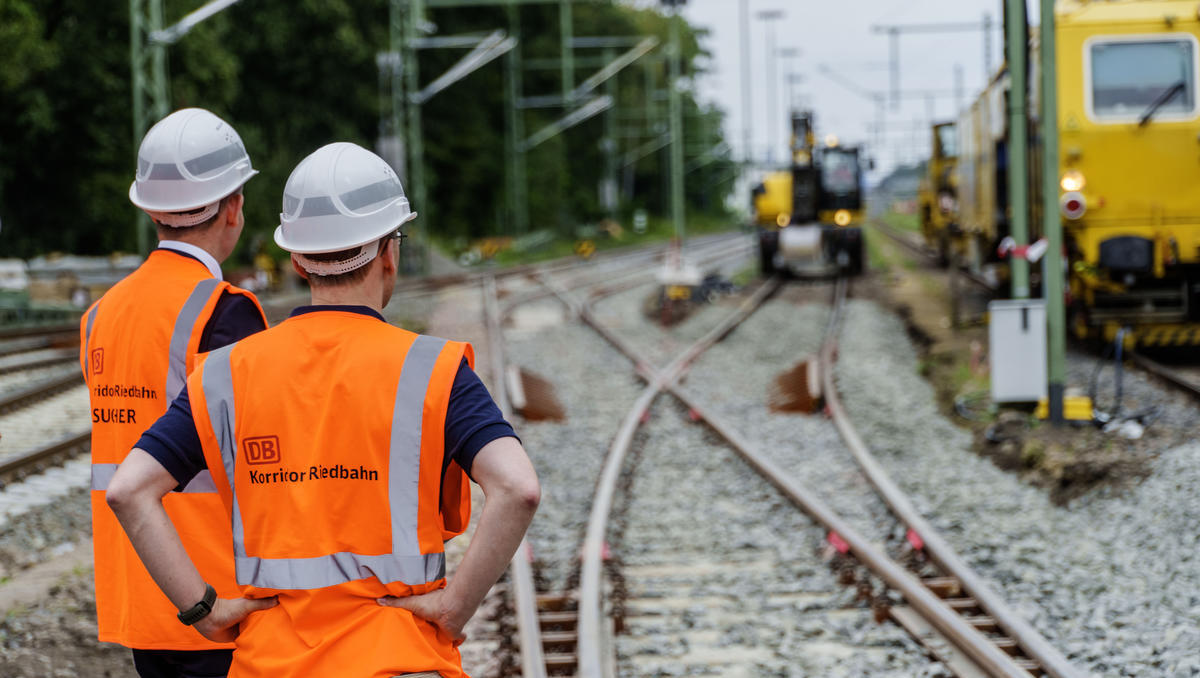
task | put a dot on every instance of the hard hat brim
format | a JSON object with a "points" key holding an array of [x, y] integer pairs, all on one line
{"points": [[136, 198]]}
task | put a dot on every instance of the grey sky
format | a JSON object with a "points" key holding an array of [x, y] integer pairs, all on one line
{"points": [[837, 33]]}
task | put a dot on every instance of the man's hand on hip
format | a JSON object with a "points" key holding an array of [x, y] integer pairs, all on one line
{"points": [[433, 608], [221, 625]]}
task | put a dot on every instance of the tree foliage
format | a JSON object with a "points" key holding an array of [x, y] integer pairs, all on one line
{"points": [[292, 75]]}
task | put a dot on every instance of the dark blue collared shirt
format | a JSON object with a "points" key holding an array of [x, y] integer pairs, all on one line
{"points": [[472, 420]]}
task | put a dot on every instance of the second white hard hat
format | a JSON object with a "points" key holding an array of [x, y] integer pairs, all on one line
{"points": [[190, 160], [341, 196]]}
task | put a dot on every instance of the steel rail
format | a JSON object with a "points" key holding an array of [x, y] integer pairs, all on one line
{"points": [[38, 330], [23, 397], [14, 363], [524, 592], [971, 641], [16, 465], [1166, 374], [593, 661], [942, 554], [636, 277], [24, 344], [920, 250]]}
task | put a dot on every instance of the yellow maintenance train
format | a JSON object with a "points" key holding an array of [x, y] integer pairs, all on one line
{"points": [[1129, 169], [810, 216]]}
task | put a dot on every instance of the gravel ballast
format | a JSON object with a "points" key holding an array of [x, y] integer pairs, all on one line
{"points": [[1112, 579]]}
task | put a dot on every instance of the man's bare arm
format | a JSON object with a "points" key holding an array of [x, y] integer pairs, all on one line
{"points": [[510, 486], [135, 496]]}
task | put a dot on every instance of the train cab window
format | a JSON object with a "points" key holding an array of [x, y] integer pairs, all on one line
{"points": [[1132, 79], [839, 172], [948, 140]]}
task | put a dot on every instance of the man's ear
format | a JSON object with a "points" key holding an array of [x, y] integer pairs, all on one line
{"points": [[233, 205], [389, 260]]}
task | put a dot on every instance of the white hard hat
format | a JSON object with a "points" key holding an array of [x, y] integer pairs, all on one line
{"points": [[340, 197], [188, 161]]}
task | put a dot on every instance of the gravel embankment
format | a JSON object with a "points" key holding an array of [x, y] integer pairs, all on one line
{"points": [[1111, 579]]}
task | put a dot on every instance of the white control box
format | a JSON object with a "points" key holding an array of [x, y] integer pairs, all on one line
{"points": [[1017, 350]]}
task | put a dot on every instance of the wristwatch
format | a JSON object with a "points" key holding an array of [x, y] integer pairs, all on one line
{"points": [[201, 609]]}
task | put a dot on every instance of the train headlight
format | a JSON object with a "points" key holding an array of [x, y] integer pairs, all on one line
{"points": [[1073, 205], [1073, 180], [841, 217], [783, 219]]}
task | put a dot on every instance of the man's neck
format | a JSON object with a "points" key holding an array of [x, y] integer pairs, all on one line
{"points": [[348, 295]]}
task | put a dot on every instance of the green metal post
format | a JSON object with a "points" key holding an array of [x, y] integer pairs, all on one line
{"points": [[566, 28], [1017, 46], [396, 79], [518, 203], [1052, 271], [676, 129], [148, 68], [610, 143], [416, 150]]}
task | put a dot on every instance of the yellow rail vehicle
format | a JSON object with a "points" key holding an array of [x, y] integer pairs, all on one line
{"points": [[810, 217], [1129, 167], [937, 196], [1129, 123]]}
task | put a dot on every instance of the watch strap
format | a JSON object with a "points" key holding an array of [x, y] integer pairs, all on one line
{"points": [[201, 609]]}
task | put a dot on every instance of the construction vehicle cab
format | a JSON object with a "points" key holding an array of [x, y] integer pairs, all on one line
{"points": [[810, 217], [937, 196]]}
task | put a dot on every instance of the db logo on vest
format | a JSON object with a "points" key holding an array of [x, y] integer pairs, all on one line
{"points": [[261, 450], [97, 360]]}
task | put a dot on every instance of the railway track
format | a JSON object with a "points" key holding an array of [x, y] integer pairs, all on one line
{"points": [[546, 622], [947, 605], [1185, 380], [930, 256]]}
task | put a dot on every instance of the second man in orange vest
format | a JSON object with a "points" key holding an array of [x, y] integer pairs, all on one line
{"points": [[138, 343]]}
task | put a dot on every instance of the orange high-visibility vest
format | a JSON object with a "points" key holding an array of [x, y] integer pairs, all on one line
{"points": [[325, 438], [137, 344]]}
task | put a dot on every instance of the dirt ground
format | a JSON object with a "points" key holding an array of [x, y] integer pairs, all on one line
{"points": [[1067, 461]]}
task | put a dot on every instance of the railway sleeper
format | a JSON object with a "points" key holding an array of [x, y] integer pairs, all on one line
{"points": [[943, 587]]}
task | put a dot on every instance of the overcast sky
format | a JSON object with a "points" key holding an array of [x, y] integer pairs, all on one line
{"points": [[837, 35]]}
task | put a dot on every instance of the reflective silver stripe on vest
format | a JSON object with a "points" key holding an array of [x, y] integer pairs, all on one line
{"points": [[102, 475], [406, 563], [182, 334], [87, 340]]}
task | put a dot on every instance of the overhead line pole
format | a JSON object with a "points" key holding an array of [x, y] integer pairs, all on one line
{"points": [[744, 22], [566, 30], [416, 147], [1017, 45], [1052, 263], [676, 108], [518, 203]]}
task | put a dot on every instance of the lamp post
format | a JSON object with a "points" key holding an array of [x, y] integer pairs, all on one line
{"points": [[789, 56], [769, 17], [676, 109], [744, 24]]}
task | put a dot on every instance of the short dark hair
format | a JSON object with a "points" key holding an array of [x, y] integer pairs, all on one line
{"points": [[349, 277], [168, 231]]}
